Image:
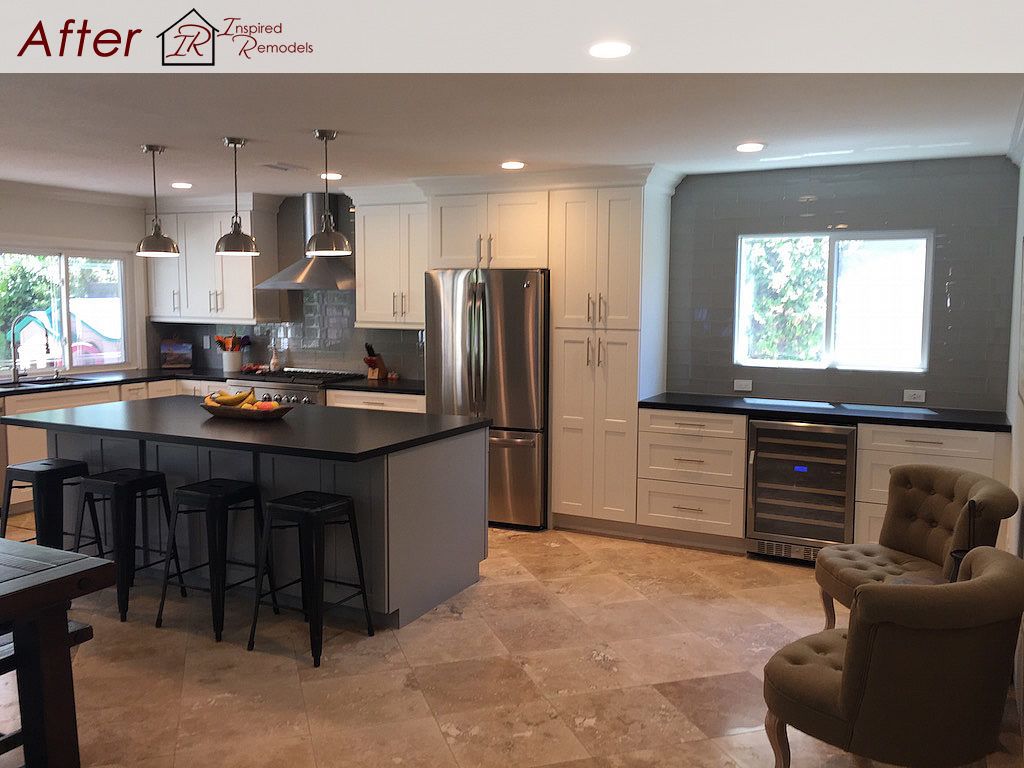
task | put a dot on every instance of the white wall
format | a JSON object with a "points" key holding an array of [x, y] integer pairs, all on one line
{"points": [[1014, 401]]}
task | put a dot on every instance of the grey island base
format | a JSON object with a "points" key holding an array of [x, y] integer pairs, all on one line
{"points": [[418, 481]]}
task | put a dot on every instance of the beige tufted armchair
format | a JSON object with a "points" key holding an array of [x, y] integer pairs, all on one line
{"points": [[926, 518], [919, 679]]}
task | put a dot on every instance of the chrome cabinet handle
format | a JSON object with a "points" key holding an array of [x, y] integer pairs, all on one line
{"points": [[175, 302], [209, 301], [373, 402], [923, 442], [590, 301], [694, 461], [479, 249], [600, 300], [689, 424], [688, 509], [490, 246], [403, 303], [599, 345], [394, 305], [588, 351]]}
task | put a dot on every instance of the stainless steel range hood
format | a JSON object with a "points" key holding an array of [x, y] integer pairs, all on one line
{"points": [[313, 273]]}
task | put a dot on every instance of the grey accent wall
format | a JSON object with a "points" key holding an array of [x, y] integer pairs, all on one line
{"points": [[325, 338], [969, 203]]}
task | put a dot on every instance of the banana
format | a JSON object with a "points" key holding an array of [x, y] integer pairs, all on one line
{"points": [[223, 398], [210, 401], [251, 399]]}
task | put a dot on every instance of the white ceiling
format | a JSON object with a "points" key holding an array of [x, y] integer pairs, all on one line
{"points": [[83, 131]]}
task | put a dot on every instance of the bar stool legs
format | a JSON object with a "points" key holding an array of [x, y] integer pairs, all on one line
{"points": [[87, 499]]}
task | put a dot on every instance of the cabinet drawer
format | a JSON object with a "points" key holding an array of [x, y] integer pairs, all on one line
{"points": [[873, 470], [689, 507], [378, 401], [926, 440], [137, 391], [693, 423], [692, 459], [162, 388], [867, 522], [48, 401]]}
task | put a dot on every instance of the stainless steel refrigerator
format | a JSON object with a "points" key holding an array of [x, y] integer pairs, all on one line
{"points": [[487, 355]]}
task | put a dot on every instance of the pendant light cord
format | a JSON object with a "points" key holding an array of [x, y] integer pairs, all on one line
{"points": [[236, 217], [327, 205], [156, 212]]}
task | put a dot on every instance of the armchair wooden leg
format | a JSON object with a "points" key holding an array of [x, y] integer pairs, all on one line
{"points": [[830, 610], [776, 730]]}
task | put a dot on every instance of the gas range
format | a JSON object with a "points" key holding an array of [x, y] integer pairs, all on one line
{"points": [[292, 385]]}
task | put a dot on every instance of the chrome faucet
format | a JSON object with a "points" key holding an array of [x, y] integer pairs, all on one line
{"points": [[15, 375]]}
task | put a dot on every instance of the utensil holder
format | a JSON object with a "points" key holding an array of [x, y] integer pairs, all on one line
{"points": [[232, 361]]}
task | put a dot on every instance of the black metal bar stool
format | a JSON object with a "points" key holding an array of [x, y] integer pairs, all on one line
{"points": [[216, 497], [124, 488], [47, 479], [311, 512]]}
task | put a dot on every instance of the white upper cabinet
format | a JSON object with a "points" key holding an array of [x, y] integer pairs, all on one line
{"points": [[391, 256], [203, 285], [596, 246], [499, 230]]}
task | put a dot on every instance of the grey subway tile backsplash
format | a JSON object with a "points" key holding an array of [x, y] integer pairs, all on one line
{"points": [[969, 203]]}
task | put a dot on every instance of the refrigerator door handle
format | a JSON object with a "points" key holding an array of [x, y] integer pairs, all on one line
{"points": [[472, 349], [512, 442], [482, 347]]}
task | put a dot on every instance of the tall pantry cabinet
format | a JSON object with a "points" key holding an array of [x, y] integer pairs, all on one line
{"points": [[608, 255]]}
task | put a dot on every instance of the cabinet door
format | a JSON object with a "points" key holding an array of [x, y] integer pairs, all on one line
{"points": [[197, 238], [615, 426], [517, 230], [138, 391], [572, 422], [619, 257], [414, 245], [378, 259], [233, 299], [164, 290], [572, 243], [162, 388], [458, 225]]}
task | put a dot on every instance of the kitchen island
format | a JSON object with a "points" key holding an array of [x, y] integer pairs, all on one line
{"points": [[418, 481]]}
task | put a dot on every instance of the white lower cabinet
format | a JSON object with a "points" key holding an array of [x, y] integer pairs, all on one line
{"points": [[29, 444], [136, 391], [867, 522], [164, 388], [377, 401], [594, 423], [690, 507], [198, 388], [691, 477]]}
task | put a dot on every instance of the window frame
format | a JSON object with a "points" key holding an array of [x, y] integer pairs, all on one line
{"points": [[128, 308], [834, 236]]}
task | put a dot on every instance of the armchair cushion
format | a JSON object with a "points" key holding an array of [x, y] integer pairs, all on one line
{"points": [[841, 568]]}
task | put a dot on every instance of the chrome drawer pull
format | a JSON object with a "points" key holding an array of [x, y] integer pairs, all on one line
{"points": [[688, 509], [695, 461], [372, 402], [689, 424], [923, 442]]}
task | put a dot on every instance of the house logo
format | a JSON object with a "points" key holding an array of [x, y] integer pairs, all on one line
{"points": [[191, 41]]}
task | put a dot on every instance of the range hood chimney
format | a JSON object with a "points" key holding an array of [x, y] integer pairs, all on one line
{"points": [[316, 273]]}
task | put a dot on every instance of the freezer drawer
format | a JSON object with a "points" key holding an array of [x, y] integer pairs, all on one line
{"points": [[517, 483]]}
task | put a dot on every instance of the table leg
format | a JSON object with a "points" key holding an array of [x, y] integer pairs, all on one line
{"points": [[46, 690]]}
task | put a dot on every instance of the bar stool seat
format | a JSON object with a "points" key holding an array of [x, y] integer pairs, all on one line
{"points": [[215, 497], [124, 488], [46, 478], [311, 512]]}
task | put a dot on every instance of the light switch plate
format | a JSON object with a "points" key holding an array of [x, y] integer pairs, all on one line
{"points": [[913, 395], [742, 385]]}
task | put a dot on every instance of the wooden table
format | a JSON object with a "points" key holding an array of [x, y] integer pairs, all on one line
{"points": [[36, 585]]}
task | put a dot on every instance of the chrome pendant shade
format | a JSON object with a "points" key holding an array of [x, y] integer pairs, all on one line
{"points": [[156, 244], [236, 242], [328, 241]]}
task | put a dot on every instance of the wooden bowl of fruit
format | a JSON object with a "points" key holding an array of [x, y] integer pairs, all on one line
{"points": [[244, 406]]}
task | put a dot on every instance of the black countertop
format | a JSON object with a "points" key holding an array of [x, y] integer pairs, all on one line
{"points": [[314, 431], [831, 413], [107, 378]]}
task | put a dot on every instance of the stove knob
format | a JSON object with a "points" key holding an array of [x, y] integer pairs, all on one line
{"points": [[293, 399], [277, 398], [266, 397], [306, 400]]}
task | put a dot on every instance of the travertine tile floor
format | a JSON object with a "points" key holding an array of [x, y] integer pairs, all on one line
{"points": [[572, 651]]}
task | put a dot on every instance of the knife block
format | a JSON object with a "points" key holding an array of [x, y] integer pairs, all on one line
{"points": [[380, 372]]}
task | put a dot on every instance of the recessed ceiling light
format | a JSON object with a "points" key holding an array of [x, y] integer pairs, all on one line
{"points": [[610, 49], [513, 165], [330, 176], [181, 185], [750, 146]]}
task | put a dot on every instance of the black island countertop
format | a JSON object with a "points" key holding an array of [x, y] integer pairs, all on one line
{"points": [[831, 413], [108, 378], [314, 431]]}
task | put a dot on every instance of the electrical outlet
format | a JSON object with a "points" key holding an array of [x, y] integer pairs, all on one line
{"points": [[206, 342], [742, 385], [913, 395]]}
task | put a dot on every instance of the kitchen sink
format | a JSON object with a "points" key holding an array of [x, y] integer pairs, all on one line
{"points": [[44, 381]]}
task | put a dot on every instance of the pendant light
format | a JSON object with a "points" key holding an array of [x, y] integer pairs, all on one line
{"points": [[156, 244], [328, 241], [236, 242]]}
